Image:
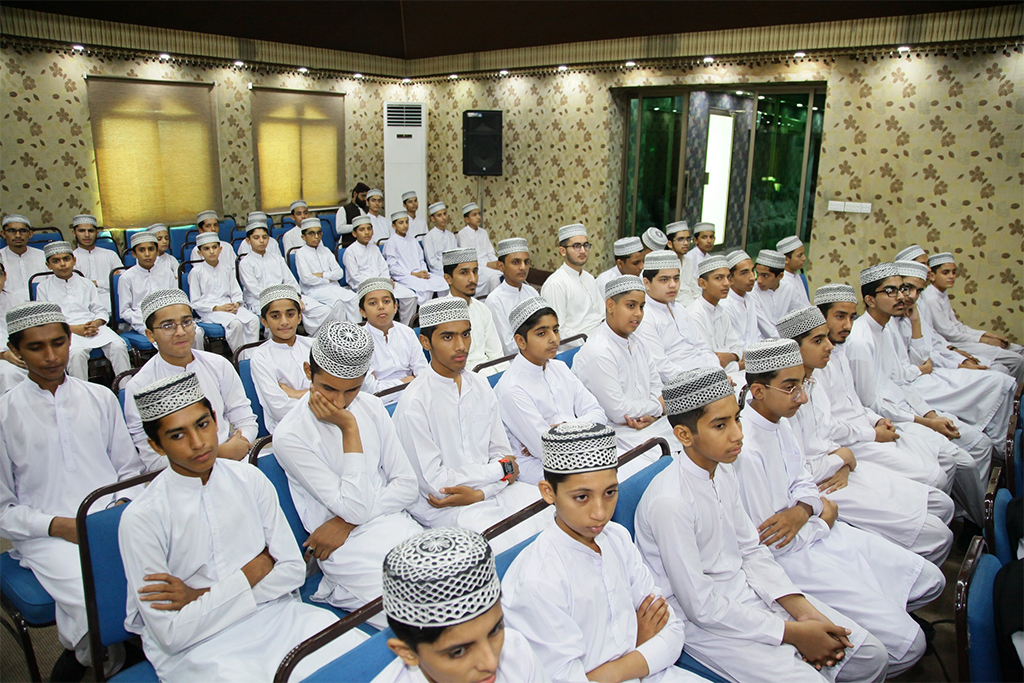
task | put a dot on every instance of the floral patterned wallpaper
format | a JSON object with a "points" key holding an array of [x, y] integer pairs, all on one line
{"points": [[933, 142]]}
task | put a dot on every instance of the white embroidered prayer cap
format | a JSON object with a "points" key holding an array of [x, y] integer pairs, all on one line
{"points": [[939, 259], [399, 214], [157, 227], [703, 227], [83, 219], [524, 309], [143, 237], [15, 218], [696, 388], [205, 216], [309, 224], [622, 284], [835, 293], [406, 196], [627, 246], [254, 224], [569, 231], [33, 314], [787, 245], [911, 269], [277, 292], [771, 259], [910, 253], [361, 220], [53, 248], [257, 214], [207, 238], [736, 257], [298, 203], [375, 284], [447, 309], [662, 260], [772, 355], [877, 273], [342, 349], [711, 263], [435, 207], [168, 395], [162, 298], [375, 192], [654, 239], [452, 257], [577, 447], [441, 577], [795, 323], [678, 226], [471, 206], [513, 245]]}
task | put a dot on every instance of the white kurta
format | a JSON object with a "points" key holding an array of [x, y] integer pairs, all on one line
{"points": [[694, 257], [607, 276], [689, 290], [10, 374], [577, 608], [211, 286], [673, 341], [456, 438], [204, 535], [97, 264], [418, 227], [404, 256], [257, 272], [273, 364], [20, 269], [292, 239], [715, 328], [326, 287], [484, 343], [134, 285], [533, 399], [56, 449], [767, 314], [366, 261], [372, 489], [272, 248], [479, 239], [225, 262], [381, 228], [219, 382], [791, 295], [501, 302], [166, 260], [743, 317], [435, 243], [395, 357], [574, 296]]}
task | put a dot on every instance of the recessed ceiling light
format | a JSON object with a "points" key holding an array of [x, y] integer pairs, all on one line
{"points": [[799, 104], [630, 63], [164, 55], [453, 76], [708, 60], [563, 68], [77, 48], [406, 80], [903, 48], [814, 108], [303, 70], [503, 72], [739, 92], [657, 109], [799, 55], [357, 75], [239, 63], [760, 97]]}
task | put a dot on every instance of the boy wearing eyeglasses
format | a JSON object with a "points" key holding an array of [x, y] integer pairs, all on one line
{"points": [[20, 260], [572, 291]]}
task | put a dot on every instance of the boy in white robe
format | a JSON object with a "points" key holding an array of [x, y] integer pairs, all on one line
{"points": [[537, 391], [909, 514], [741, 308], [217, 298], [362, 260], [270, 249], [293, 238], [21, 260], [514, 263], [163, 243], [61, 438], [711, 319], [580, 592], [438, 239], [629, 260], [277, 364], [571, 290], [348, 474], [442, 599], [212, 566], [79, 300], [319, 272], [791, 294], [12, 368], [704, 241], [397, 355], [95, 263], [375, 211], [208, 223], [170, 327], [405, 261], [449, 422], [743, 617], [770, 267], [680, 242], [461, 272], [857, 572], [417, 224], [473, 236]]}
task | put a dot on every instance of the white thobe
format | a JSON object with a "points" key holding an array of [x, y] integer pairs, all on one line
{"points": [[219, 382], [791, 295], [689, 290], [743, 317], [533, 399], [211, 286], [257, 272], [226, 260], [272, 247], [292, 240], [435, 243], [418, 227], [577, 607], [574, 296], [363, 261], [273, 364], [166, 260], [695, 256], [456, 438], [326, 287], [204, 535], [20, 269], [134, 285], [381, 228], [405, 256], [484, 343], [607, 276], [862, 575], [715, 328], [672, 340], [79, 301], [395, 356], [479, 239], [501, 301], [705, 554], [56, 449], [10, 374], [97, 264], [622, 376], [765, 305], [371, 489]]}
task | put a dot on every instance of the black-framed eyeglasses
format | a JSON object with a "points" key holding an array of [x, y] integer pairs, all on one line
{"points": [[314, 233], [18, 231], [687, 239], [170, 327], [892, 290], [580, 246]]}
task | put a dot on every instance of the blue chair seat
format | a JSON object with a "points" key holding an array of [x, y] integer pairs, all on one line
{"points": [[981, 622], [212, 330], [137, 341], [1001, 540], [143, 672], [567, 355], [360, 664], [20, 586], [690, 664]]}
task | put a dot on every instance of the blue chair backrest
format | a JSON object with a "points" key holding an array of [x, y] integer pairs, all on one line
{"points": [[328, 221], [504, 559], [567, 355], [105, 241], [1001, 542], [115, 299], [178, 235], [225, 228], [108, 574], [293, 266], [269, 466], [245, 372], [328, 237], [359, 665], [493, 379], [390, 407], [632, 490], [130, 260], [981, 621], [803, 278], [120, 399]]}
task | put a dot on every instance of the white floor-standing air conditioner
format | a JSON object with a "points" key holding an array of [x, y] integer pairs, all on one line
{"points": [[405, 154]]}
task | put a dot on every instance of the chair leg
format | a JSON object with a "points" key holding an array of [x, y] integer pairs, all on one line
{"points": [[20, 631]]}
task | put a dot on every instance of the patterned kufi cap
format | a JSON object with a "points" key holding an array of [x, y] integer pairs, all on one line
{"points": [[835, 293], [157, 227], [703, 227], [622, 284], [524, 309], [406, 196], [342, 349], [143, 237], [627, 246], [911, 269], [466, 208], [255, 223], [399, 214], [33, 314], [711, 263], [257, 214], [374, 284], [452, 257], [678, 226], [441, 577], [162, 298], [15, 218], [771, 355], [735, 257], [83, 219], [277, 292], [795, 323], [374, 193], [568, 231], [771, 259], [696, 388], [661, 260], [512, 245], [435, 207], [309, 224], [654, 239], [877, 273], [205, 216], [296, 204], [787, 245], [361, 220], [168, 395], [939, 259], [447, 309], [57, 248], [577, 447], [207, 238], [910, 253]]}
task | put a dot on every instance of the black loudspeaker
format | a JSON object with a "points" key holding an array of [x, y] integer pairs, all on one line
{"points": [[481, 142]]}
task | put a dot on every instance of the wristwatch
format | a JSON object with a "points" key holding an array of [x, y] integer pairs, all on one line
{"points": [[507, 468]]}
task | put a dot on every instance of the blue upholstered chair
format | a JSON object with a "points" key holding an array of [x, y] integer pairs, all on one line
{"points": [[26, 604]]}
